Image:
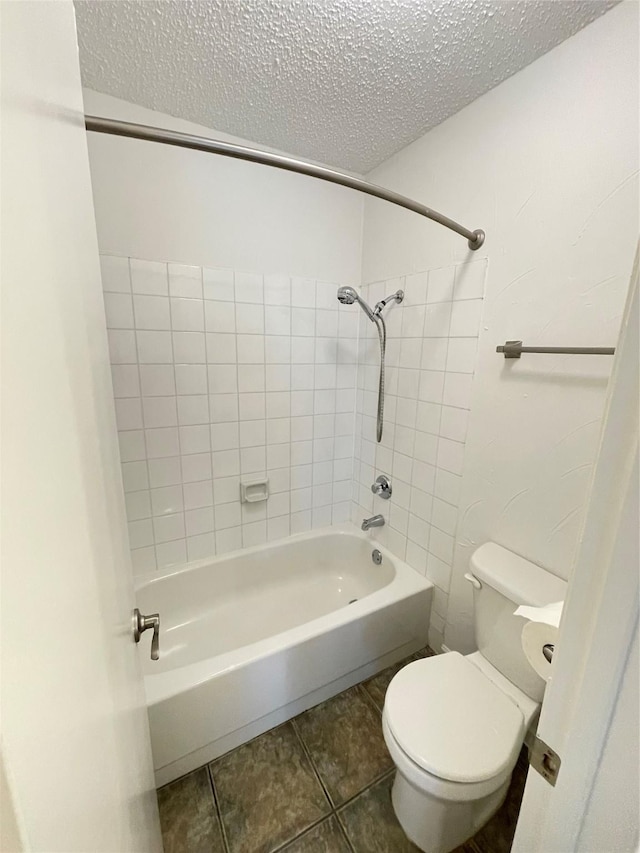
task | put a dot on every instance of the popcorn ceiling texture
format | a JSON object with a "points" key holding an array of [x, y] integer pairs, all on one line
{"points": [[344, 82]]}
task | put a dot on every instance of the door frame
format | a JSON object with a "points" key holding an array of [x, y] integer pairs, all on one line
{"points": [[599, 623], [76, 771]]}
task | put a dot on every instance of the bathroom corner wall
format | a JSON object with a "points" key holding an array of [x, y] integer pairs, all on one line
{"points": [[165, 203], [432, 339], [232, 357], [220, 377], [547, 164]]}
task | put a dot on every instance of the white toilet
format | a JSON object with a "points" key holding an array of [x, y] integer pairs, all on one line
{"points": [[455, 725]]}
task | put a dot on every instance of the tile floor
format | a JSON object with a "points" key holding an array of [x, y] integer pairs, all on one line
{"points": [[320, 783]]}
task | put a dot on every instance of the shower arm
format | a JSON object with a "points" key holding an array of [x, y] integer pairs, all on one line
{"points": [[475, 239]]}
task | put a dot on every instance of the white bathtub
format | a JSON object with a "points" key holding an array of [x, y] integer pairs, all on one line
{"points": [[253, 638]]}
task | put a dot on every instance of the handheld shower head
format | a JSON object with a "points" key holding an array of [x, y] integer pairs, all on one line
{"points": [[348, 295]]}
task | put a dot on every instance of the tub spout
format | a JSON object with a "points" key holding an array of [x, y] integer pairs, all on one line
{"points": [[374, 521]]}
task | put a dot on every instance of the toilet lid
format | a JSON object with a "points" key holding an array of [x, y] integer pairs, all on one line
{"points": [[452, 721]]}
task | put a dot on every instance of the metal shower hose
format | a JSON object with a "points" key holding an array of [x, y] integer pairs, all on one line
{"points": [[382, 334]]}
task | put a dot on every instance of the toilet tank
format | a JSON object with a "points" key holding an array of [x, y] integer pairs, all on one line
{"points": [[507, 581]]}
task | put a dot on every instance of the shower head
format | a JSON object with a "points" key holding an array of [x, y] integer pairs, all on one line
{"points": [[347, 296]]}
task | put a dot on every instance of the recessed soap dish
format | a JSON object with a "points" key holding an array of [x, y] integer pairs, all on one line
{"points": [[252, 491]]}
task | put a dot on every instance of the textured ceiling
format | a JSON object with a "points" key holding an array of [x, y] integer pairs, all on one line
{"points": [[343, 82]]}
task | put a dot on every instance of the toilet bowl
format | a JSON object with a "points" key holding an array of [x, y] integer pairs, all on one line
{"points": [[454, 725], [454, 737]]}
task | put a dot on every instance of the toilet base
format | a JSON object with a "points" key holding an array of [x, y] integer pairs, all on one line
{"points": [[439, 826]]}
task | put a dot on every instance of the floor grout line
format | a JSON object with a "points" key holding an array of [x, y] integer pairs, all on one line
{"points": [[335, 813], [352, 799], [223, 832], [370, 698], [306, 751], [334, 808], [366, 788], [304, 832], [345, 833]]}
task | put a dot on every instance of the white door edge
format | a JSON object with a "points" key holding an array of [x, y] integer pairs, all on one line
{"points": [[599, 624]]}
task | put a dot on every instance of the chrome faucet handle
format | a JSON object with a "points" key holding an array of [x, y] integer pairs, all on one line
{"points": [[143, 623], [382, 487]]}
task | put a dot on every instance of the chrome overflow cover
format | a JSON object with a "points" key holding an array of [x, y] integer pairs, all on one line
{"points": [[376, 556]]}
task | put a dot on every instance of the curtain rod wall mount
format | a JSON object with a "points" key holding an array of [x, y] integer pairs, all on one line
{"points": [[475, 239]]}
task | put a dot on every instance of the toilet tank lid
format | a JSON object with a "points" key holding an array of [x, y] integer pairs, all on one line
{"points": [[516, 578]]}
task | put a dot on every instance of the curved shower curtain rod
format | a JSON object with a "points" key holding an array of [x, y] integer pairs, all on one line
{"points": [[279, 161]]}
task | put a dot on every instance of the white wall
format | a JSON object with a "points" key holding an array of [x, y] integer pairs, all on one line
{"points": [[162, 203], [547, 164], [75, 739]]}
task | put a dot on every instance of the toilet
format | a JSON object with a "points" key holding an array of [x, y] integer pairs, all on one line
{"points": [[454, 725]]}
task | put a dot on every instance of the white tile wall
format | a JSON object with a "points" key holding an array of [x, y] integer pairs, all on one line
{"points": [[431, 354], [221, 375]]}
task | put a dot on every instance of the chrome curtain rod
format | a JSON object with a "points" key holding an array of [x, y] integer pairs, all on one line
{"points": [[513, 349], [97, 124]]}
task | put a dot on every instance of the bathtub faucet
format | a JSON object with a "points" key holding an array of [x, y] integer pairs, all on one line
{"points": [[374, 521]]}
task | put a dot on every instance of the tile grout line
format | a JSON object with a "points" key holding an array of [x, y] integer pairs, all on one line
{"points": [[313, 764], [368, 697], [304, 832], [311, 826], [335, 808], [223, 832], [348, 802], [340, 807], [369, 785], [345, 833], [140, 396]]}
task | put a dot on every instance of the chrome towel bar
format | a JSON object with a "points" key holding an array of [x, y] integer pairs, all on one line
{"points": [[514, 349]]}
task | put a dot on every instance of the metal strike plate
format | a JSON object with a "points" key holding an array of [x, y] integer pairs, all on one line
{"points": [[545, 760]]}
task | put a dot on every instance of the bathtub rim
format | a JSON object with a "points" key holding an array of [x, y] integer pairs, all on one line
{"points": [[342, 529]]}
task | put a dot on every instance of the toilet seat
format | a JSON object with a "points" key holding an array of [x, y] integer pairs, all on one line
{"points": [[439, 788], [452, 723]]}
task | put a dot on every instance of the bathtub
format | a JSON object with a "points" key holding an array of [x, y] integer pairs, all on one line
{"points": [[251, 639]]}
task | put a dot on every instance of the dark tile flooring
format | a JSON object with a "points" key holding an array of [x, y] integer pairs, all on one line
{"points": [[320, 783]]}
